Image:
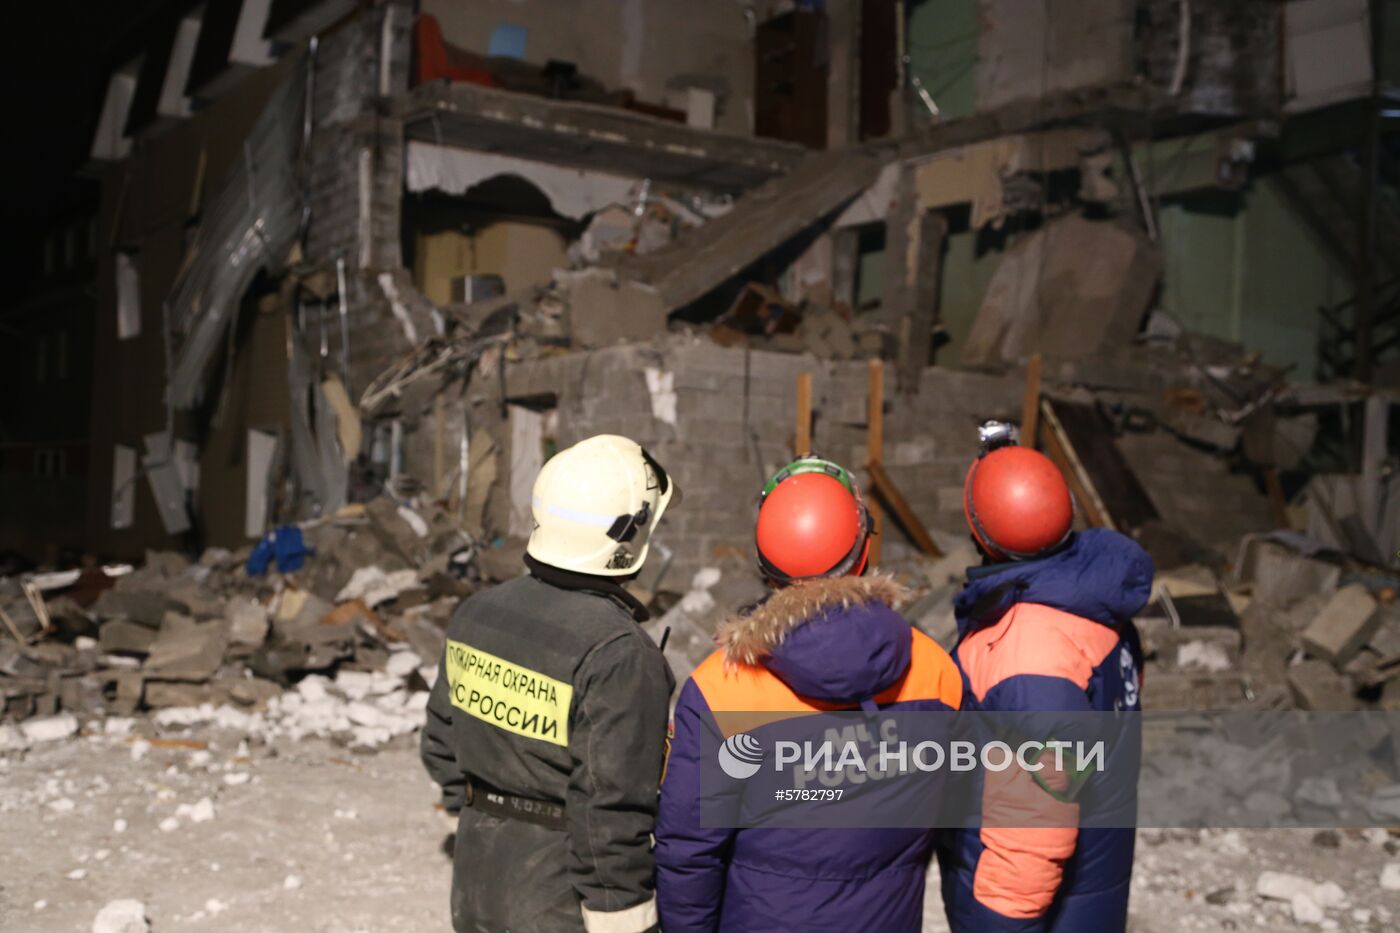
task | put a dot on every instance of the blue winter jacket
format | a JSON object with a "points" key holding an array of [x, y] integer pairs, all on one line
{"points": [[1049, 634], [825, 644]]}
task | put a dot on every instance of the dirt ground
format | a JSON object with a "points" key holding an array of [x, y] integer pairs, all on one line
{"points": [[310, 837]]}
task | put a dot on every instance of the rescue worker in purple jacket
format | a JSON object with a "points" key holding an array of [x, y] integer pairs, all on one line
{"points": [[826, 637], [1045, 624]]}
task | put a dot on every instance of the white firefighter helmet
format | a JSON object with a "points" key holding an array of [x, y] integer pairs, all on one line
{"points": [[595, 505]]}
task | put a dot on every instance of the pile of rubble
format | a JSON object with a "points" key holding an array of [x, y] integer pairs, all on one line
{"points": [[344, 614], [1277, 629]]}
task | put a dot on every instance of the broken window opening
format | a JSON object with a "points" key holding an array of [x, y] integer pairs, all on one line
{"points": [[869, 286], [502, 235]]}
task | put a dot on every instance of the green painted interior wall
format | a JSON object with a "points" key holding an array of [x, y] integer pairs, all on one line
{"points": [[1288, 277], [1248, 269], [1198, 280], [965, 278], [870, 277], [941, 40]]}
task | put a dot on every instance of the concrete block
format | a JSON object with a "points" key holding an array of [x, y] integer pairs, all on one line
{"points": [[144, 607], [121, 636], [1281, 576], [1343, 626], [1314, 685], [187, 649]]}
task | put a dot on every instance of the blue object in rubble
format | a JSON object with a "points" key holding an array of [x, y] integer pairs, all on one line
{"points": [[284, 546]]}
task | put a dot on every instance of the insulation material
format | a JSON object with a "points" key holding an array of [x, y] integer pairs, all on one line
{"points": [[391, 291], [319, 465], [128, 297], [662, 387], [123, 486], [574, 193], [348, 429], [527, 432], [1069, 290], [262, 448], [1327, 52], [249, 225], [173, 100], [110, 142], [169, 495]]}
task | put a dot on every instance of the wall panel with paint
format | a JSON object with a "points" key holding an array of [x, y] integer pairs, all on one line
{"points": [[1246, 268]]}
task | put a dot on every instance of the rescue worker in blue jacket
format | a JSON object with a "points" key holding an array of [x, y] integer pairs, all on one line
{"points": [[827, 638], [546, 727], [1045, 624]]}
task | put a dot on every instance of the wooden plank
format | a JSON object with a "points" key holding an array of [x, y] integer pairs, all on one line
{"points": [[1030, 407], [874, 449], [1277, 501], [14, 629], [1058, 448], [903, 512], [802, 443]]}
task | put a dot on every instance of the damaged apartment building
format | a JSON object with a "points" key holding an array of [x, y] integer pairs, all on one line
{"points": [[344, 248]]}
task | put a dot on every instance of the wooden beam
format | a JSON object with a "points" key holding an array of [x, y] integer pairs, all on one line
{"points": [[14, 629], [1058, 448], [1277, 501], [802, 443], [903, 512], [1030, 407], [874, 448]]}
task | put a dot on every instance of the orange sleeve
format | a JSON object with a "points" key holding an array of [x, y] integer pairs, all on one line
{"points": [[1027, 836]]}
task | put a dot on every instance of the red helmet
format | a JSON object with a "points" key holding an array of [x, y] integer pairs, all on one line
{"points": [[811, 523], [1017, 503]]}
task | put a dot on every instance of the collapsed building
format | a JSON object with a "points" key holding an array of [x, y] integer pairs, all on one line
{"points": [[360, 260]]}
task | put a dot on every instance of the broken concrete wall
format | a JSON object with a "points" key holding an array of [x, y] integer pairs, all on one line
{"points": [[356, 156], [1194, 491], [146, 203], [721, 420], [655, 48], [1070, 290], [1231, 54], [1029, 50]]}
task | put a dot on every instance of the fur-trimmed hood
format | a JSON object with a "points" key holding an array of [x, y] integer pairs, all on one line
{"points": [[836, 638]]}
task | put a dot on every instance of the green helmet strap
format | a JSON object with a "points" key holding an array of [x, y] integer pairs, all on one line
{"points": [[811, 465]]}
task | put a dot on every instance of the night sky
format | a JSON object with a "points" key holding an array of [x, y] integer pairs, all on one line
{"points": [[57, 54]]}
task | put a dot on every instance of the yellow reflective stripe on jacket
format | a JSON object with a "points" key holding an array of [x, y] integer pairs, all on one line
{"points": [[508, 696]]}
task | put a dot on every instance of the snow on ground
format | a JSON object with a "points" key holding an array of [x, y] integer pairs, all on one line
{"points": [[208, 827]]}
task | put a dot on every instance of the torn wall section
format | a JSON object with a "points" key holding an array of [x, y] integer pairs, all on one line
{"points": [[720, 419]]}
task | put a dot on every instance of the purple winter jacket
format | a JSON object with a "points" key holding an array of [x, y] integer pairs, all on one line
{"points": [[836, 642]]}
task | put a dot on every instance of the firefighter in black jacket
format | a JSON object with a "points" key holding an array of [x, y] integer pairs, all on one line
{"points": [[546, 727]]}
